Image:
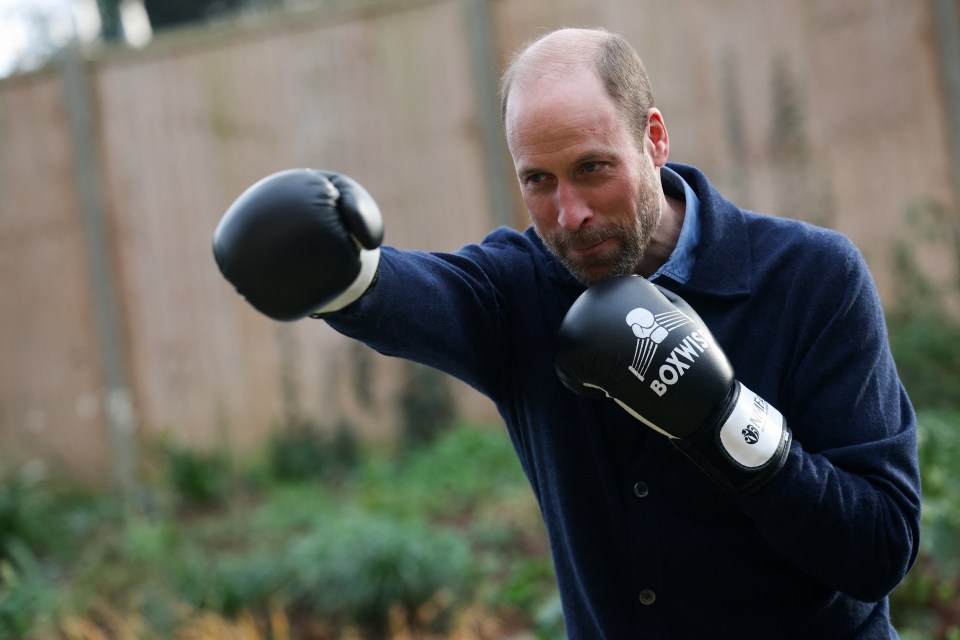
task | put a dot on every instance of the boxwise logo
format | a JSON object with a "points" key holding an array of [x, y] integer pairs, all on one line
{"points": [[651, 330]]}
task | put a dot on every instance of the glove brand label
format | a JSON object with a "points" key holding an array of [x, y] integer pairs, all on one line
{"points": [[679, 360], [752, 432], [651, 330]]}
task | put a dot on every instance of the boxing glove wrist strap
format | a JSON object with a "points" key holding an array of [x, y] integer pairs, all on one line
{"points": [[752, 432], [744, 446], [369, 261]]}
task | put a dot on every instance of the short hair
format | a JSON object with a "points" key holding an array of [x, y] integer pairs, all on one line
{"points": [[618, 66]]}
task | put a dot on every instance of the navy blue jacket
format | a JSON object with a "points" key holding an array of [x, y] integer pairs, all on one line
{"points": [[644, 545]]}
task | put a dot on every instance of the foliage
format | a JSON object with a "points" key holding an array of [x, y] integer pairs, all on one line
{"points": [[431, 539], [923, 325], [926, 347], [925, 339], [26, 594], [39, 524], [303, 451], [356, 566], [426, 404], [23, 511], [166, 14], [345, 567], [451, 477], [939, 451], [295, 557], [928, 600], [197, 478]]}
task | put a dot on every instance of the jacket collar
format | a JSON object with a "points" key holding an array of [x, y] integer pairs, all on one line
{"points": [[724, 263]]}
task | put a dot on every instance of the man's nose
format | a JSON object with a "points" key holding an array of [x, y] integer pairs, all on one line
{"points": [[573, 209]]}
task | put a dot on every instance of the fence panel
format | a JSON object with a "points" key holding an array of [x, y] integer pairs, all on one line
{"points": [[829, 112]]}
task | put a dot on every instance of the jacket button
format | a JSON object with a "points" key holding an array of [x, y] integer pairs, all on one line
{"points": [[647, 597], [641, 490]]}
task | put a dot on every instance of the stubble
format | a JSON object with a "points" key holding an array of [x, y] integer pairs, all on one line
{"points": [[625, 254]]}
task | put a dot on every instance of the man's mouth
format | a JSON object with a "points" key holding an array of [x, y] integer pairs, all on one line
{"points": [[587, 249]]}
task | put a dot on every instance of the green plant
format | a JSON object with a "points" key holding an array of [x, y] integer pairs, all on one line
{"points": [[926, 348], [231, 582], [464, 467], [426, 404], [389, 541], [549, 619], [357, 566], [197, 478], [922, 321], [530, 583], [304, 451], [928, 600], [939, 452], [27, 596], [25, 512], [924, 331]]}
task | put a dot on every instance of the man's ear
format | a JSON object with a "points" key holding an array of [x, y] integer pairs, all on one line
{"points": [[658, 142]]}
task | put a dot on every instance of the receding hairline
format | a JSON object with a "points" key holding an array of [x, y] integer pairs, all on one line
{"points": [[560, 50]]}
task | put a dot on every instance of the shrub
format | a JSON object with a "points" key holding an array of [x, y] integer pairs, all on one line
{"points": [[927, 602], [27, 596], [309, 552], [24, 510], [426, 404], [197, 478], [303, 451], [922, 321], [463, 467], [357, 567], [234, 582], [926, 348]]}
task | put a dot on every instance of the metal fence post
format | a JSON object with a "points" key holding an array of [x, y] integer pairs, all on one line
{"points": [[946, 18], [116, 398], [484, 60]]}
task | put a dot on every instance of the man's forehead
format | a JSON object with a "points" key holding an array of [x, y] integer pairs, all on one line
{"points": [[544, 71], [573, 95], [567, 85], [571, 127]]}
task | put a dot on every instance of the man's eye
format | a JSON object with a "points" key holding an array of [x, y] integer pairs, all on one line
{"points": [[590, 167], [535, 178]]}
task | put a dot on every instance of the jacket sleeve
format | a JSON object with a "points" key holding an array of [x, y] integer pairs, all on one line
{"points": [[439, 309], [851, 483]]}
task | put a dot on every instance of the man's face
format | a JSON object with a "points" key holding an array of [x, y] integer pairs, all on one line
{"points": [[593, 193]]}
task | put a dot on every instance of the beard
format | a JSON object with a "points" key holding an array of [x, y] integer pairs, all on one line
{"points": [[624, 256]]}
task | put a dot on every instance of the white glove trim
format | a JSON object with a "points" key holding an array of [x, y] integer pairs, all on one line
{"points": [[752, 432], [629, 410], [369, 260]]}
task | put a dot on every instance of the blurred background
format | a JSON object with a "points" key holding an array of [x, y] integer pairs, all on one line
{"points": [[173, 464]]}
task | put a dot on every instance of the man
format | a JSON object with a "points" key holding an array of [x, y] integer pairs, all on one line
{"points": [[654, 535]]}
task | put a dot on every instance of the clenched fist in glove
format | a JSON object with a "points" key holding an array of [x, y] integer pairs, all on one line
{"points": [[647, 349], [300, 242]]}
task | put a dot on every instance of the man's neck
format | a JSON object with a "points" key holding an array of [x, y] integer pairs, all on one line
{"points": [[665, 238]]}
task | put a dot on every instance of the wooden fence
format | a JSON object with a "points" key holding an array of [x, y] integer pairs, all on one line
{"points": [[115, 167]]}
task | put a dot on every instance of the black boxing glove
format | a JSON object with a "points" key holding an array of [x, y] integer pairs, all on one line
{"points": [[646, 348], [300, 242]]}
